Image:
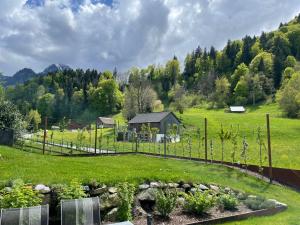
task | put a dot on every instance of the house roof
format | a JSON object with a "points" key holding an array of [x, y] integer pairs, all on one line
{"points": [[237, 109], [106, 120], [154, 117]]}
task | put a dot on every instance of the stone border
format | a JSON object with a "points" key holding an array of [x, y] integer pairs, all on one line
{"points": [[257, 213]]}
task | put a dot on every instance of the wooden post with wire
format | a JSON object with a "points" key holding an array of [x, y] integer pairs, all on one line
{"points": [[45, 134], [269, 148], [96, 137], [205, 138]]}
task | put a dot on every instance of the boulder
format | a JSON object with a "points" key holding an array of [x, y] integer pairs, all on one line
{"points": [[86, 188], [180, 201], [7, 189], [139, 212], [147, 195], [112, 190], [155, 185], [214, 188], [275, 203], [111, 215], [109, 201], [143, 187], [43, 189], [172, 185], [203, 187], [99, 191], [186, 186]]}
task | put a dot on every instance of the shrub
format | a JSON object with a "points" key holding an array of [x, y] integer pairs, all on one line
{"points": [[165, 202], [256, 203], [228, 202], [198, 203], [19, 196], [72, 191], [126, 197]]}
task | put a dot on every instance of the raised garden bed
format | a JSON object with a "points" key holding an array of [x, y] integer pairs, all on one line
{"points": [[183, 203]]}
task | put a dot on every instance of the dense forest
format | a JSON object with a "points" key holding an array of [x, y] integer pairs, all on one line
{"points": [[248, 71]]}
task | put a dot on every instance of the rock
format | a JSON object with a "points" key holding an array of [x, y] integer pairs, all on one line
{"points": [[7, 189], [173, 185], [143, 187], [203, 187], [42, 189], [155, 185], [241, 196], [112, 190], [193, 190], [214, 188], [227, 190], [180, 201], [178, 190], [86, 188], [99, 191], [186, 186], [139, 211], [109, 201], [111, 216], [147, 195], [275, 203]]}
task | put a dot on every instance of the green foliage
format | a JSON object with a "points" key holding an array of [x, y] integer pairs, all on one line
{"points": [[2, 93], [289, 96], [33, 120], [165, 202], [290, 61], [126, 197], [227, 202], [10, 117], [222, 91], [263, 62], [72, 191], [199, 202], [20, 196], [45, 104], [255, 202]]}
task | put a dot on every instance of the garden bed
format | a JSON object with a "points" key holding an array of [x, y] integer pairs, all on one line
{"points": [[178, 203]]}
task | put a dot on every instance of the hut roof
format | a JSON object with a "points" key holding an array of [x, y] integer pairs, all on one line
{"points": [[106, 120], [154, 117]]}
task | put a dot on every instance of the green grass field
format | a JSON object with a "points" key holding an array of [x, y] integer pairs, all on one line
{"points": [[284, 136], [37, 168]]}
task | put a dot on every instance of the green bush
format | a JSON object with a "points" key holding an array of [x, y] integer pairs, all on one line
{"points": [[165, 202], [199, 203], [228, 202], [126, 197], [255, 202], [19, 196], [72, 191]]}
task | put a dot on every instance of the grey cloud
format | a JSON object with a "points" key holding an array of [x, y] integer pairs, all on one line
{"points": [[131, 33]]}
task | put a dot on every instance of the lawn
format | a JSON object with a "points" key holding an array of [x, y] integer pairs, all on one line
{"points": [[48, 169], [284, 136]]}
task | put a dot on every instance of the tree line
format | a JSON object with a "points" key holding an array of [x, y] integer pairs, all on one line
{"points": [[247, 71]]}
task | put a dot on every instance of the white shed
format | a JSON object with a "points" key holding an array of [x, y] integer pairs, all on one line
{"points": [[237, 109]]}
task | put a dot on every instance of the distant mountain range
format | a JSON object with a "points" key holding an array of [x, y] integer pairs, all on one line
{"points": [[26, 74]]}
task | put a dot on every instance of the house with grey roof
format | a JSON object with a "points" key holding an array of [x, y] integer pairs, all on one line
{"points": [[105, 122], [160, 120]]}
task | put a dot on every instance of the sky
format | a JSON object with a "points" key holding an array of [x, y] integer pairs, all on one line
{"points": [[103, 34]]}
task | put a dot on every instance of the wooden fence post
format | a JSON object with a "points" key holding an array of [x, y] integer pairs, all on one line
{"points": [[269, 148], [96, 137], [45, 134], [205, 138]]}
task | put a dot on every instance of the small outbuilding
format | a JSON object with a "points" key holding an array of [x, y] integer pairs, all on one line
{"points": [[237, 109], [160, 120], [105, 122]]}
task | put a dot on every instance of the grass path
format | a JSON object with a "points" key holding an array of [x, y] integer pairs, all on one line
{"points": [[47, 169]]}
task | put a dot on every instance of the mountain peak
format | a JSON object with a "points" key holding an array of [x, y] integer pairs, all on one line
{"points": [[55, 67]]}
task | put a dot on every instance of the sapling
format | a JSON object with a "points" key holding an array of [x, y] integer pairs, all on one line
{"points": [[234, 137], [211, 151], [199, 141], [224, 136], [244, 153], [261, 144]]}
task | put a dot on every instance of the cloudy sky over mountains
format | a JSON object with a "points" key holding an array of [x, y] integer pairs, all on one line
{"points": [[103, 34]]}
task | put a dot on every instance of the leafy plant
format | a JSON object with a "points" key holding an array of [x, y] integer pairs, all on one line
{"points": [[227, 202], [211, 151], [244, 153], [234, 142], [261, 144], [72, 191], [19, 196], [126, 197], [165, 202], [198, 203], [255, 202]]}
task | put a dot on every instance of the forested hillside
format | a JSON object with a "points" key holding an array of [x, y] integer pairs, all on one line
{"points": [[247, 71]]}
